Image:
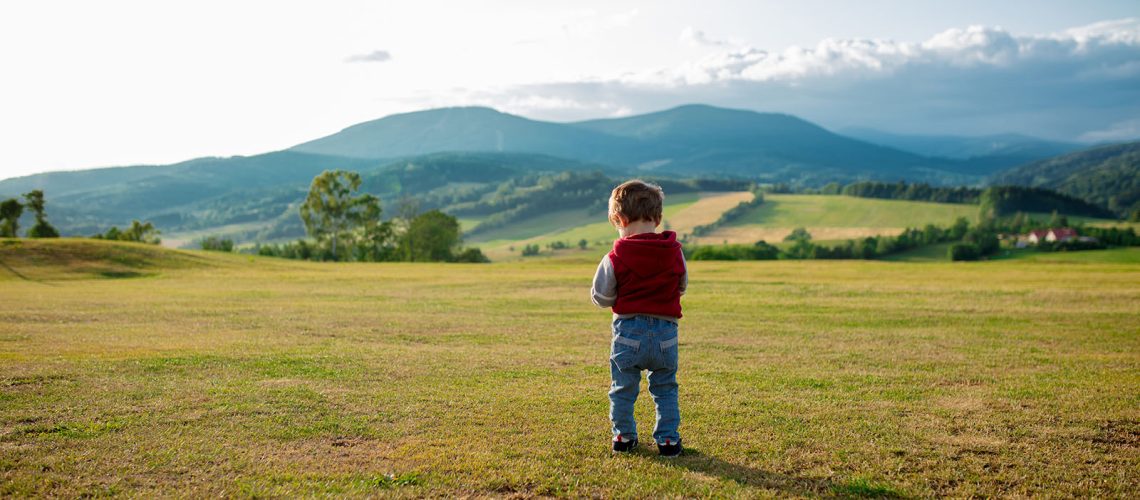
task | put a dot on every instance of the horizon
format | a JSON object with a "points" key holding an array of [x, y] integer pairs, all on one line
{"points": [[1083, 145], [89, 95]]}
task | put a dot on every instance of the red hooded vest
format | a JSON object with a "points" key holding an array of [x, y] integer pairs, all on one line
{"points": [[648, 268]]}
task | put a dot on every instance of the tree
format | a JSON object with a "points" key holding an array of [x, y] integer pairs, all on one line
{"points": [[798, 234], [216, 244], [472, 255], [964, 251], [407, 209], [330, 210], [1058, 220], [431, 236], [802, 249], [42, 229], [10, 212], [142, 232], [958, 230], [583, 244]]}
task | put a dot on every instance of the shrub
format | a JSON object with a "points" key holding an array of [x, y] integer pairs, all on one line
{"points": [[760, 251], [216, 244], [472, 255], [965, 251]]}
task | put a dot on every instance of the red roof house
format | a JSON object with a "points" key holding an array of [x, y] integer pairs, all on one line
{"points": [[1061, 234]]}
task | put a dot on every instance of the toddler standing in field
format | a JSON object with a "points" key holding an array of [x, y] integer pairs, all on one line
{"points": [[642, 279]]}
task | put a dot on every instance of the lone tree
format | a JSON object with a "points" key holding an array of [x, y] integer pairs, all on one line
{"points": [[802, 247], [431, 236], [331, 211], [10, 212], [142, 232], [42, 229]]}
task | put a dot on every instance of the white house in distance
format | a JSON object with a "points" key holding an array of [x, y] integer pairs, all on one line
{"points": [[1061, 234]]}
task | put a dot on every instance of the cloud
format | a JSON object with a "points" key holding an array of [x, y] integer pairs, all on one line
{"points": [[374, 56], [698, 38], [1120, 131], [1111, 45], [1074, 84]]}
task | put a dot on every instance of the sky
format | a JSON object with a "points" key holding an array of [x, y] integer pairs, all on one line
{"points": [[91, 84]]}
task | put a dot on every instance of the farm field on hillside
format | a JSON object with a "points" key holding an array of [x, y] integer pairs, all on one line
{"points": [[209, 374], [835, 218], [570, 226]]}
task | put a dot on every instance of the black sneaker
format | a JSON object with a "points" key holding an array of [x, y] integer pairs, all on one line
{"points": [[669, 449], [623, 446]]}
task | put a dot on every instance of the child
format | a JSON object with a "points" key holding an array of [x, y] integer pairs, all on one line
{"points": [[642, 279]]}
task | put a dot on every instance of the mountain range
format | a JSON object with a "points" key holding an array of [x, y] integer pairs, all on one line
{"points": [[687, 140], [455, 155]]}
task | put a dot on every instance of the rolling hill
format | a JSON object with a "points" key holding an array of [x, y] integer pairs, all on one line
{"points": [[494, 169], [705, 139], [255, 197], [687, 140], [1106, 175]]}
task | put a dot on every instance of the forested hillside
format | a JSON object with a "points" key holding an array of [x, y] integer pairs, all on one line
{"points": [[1107, 175]]}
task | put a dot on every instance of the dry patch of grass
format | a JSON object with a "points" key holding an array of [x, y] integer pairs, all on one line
{"points": [[706, 210]]}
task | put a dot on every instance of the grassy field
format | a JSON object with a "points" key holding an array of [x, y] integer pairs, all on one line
{"points": [[130, 370], [570, 226], [835, 218]]}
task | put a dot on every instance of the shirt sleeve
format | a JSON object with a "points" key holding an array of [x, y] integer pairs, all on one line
{"points": [[684, 275], [604, 291]]}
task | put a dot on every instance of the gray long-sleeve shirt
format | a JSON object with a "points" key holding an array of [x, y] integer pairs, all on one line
{"points": [[604, 292]]}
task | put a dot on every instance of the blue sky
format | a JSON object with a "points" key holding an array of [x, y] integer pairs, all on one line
{"points": [[92, 84]]}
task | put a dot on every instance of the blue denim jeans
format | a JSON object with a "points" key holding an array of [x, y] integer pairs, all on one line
{"points": [[644, 343]]}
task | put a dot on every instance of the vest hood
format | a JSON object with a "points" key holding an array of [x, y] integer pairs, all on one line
{"points": [[649, 254]]}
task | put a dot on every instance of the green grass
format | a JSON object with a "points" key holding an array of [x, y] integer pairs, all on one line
{"points": [[238, 376], [834, 218], [788, 210], [1114, 255]]}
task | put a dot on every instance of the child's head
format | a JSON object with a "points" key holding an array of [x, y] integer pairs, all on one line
{"points": [[634, 201]]}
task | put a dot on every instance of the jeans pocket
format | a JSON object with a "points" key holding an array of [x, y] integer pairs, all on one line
{"points": [[624, 351], [669, 353]]}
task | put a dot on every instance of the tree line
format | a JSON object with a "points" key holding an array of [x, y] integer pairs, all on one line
{"points": [[999, 201], [11, 210], [346, 226], [971, 242]]}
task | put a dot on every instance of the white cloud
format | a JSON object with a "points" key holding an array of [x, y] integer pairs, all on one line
{"points": [[374, 56], [1106, 46], [698, 38], [1127, 130], [972, 80]]}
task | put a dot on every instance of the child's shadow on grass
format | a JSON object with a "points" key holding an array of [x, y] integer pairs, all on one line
{"points": [[696, 461]]}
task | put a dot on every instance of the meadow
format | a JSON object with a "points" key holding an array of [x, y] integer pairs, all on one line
{"points": [[133, 370], [830, 218]]}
